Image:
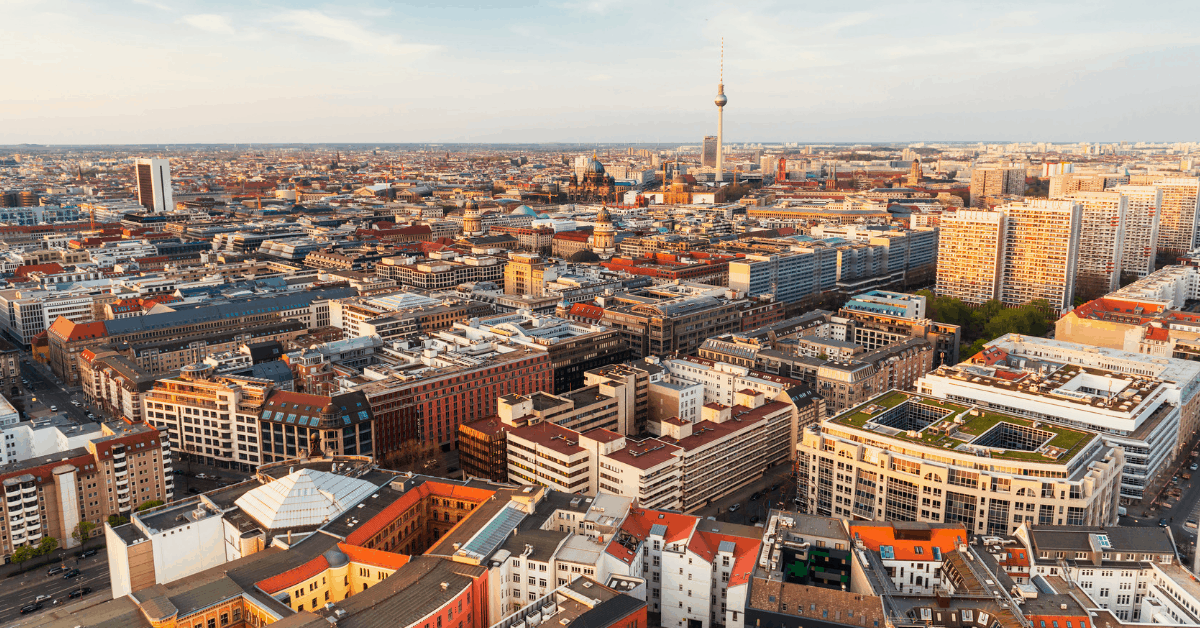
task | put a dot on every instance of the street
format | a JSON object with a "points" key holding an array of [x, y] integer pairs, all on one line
{"points": [[755, 510], [1183, 508], [24, 589], [43, 387]]}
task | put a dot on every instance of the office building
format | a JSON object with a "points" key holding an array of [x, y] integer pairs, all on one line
{"points": [[709, 156], [1102, 240], [527, 274], [1142, 216], [910, 457], [996, 181], [154, 184], [1043, 382]]}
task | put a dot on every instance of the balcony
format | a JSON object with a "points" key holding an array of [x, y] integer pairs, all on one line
{"points": [[119, 455], [28, 490], [30, 511]]}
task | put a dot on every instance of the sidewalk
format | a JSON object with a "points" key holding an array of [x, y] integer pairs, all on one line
{"points": [[64, 611]]}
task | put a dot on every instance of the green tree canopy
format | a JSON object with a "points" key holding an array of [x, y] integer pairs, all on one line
{"points": [[83, 531], [48, 544], [147, 505], [22, 554]]}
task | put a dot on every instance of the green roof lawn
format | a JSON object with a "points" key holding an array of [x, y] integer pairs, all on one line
{"points": [[1068, 439]]}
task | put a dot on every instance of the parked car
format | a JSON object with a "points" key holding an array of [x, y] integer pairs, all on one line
{"points": [[200, 476], [1162, 523], [87, 553], [1194, 467], [54, 571], [70, 574], [79, 592], [54, 408], [74, 403], [31, 608], [194, 491], [735, 507], [1191, 523]]}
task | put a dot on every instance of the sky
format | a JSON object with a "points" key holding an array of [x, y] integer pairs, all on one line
{"points": [[189, 71]]}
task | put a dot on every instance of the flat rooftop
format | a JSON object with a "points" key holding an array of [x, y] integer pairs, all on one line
{"points": [[938, 423]]}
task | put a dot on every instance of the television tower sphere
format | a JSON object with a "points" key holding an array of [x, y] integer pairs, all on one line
{"points": [[720, 100]]}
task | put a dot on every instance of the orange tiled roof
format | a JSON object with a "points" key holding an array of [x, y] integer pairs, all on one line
{"points": [[705, 545], [293, 576], [373, 557], [873, 536], [71, 331]]}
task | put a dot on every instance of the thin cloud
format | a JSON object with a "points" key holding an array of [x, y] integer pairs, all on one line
{"points": [[599, 77], [318, 24], [210, 22], [151, 3]]}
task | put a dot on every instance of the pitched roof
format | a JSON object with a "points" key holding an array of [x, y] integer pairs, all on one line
{"points": [[71, 331], [303, 498]]}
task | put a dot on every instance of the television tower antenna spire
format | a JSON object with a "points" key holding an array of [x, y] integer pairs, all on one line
{"points": [[720, 101]]}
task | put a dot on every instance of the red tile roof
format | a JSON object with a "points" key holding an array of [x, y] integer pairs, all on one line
{"points": [[294, 576], [705, 545], [373, 557], [71, 331], [584, 310], [50, 269]]}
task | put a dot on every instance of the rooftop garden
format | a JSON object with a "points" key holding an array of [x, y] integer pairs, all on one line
{"points": [[1019, 439]]}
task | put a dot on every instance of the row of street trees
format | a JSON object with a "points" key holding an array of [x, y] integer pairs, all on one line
{"points": [[989, 321]]}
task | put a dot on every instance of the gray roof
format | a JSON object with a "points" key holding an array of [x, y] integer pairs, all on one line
{"points": [[1143, 539], [260, 304]]}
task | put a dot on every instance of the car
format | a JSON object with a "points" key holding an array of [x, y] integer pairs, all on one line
{"points": [[31, 608], [178, 472], [74, 403], [200, 476], [54, 408], [70, 574], [79, 592], [754, 519], [1191, 523], [87, 553], [1194, 467], [54, 571], [42, 598], [735, 507], [1162, 523], [194, 491], [754, 496]]}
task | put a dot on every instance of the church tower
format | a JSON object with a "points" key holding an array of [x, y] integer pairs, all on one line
{"points": [[604, 235], [472, 222]]}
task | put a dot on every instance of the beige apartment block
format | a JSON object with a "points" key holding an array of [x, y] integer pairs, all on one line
{"points": [[1101, 242], [970, 255], [1142, 215], [1041, 252]]}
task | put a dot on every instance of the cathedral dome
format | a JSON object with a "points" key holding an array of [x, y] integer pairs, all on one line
{"points": [[594, 166], [471, 204], [603, 216]]}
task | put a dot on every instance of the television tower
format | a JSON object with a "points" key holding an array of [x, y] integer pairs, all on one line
{"points": [[720, 102]]}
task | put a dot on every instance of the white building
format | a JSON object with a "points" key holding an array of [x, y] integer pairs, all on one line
{"points": [[1133, 400], [1142, 216]]}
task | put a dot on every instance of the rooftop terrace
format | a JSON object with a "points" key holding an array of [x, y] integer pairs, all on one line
{"points": [[966, 429]]}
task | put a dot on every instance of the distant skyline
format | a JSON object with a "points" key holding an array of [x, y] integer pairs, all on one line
{"points": [[174, 72]]}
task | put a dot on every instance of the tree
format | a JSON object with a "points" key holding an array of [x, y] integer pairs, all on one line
{"points": [[83, 531], [117, 520], [147, 505], [48, 544], [22, 554]]}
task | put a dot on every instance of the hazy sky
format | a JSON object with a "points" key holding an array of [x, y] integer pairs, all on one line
{"points": [[174, 71]]}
